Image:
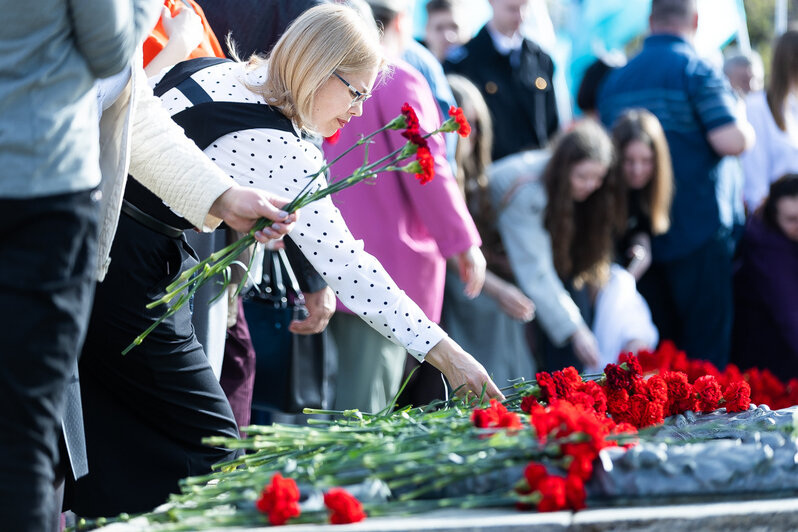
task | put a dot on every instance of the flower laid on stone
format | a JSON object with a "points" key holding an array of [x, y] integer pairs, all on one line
{"points": [[541, 449], [279, 500], [219, 263], [344, 508]]}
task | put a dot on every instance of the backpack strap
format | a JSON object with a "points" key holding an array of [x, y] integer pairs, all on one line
{"points": [[204, 122], [183, 71]]}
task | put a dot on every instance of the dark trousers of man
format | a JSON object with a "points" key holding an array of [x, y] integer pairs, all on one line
{"points": [[691, 300], [48, 249]]}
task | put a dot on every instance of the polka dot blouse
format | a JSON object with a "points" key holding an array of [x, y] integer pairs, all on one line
{"points": [[281, 163]]}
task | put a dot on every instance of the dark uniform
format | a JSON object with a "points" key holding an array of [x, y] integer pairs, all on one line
{"points": [[517, 88]]}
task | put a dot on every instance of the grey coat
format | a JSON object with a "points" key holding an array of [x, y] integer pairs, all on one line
{"points": [[520, 200]]}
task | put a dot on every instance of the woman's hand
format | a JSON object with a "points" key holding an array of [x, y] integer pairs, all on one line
{"points": [[640, 254], [585, 347], [514, 303], [241, 207], [184, 32], [184, 29], [321, 307], [461, 368], [471, 264]]}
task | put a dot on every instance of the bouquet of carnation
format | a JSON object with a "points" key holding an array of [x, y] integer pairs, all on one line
{"points": [[219, 263]]}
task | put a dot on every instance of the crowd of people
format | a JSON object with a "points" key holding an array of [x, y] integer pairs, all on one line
{"points": [[669, 211]]}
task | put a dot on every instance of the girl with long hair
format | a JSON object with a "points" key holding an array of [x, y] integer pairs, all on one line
{"points": [[644, 173], [556, 215]]}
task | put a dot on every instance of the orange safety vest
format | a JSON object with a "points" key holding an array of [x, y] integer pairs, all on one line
{"points": [[209, 47]]}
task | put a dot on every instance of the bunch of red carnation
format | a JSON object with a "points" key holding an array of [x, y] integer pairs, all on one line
{"points": [[279, 500], [765, 387]]}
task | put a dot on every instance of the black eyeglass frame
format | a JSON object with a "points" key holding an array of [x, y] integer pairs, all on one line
{"points": [[359, 96]]}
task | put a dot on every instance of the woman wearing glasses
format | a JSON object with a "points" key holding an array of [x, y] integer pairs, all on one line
{"points": [[299, 80]]}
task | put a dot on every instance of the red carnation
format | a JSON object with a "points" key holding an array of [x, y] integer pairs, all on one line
{"points": [[495, 416], [464, 128], [345, 508], [618, 378], [643, 412], [548, 388], [528, 402], [334, 138], [632, 363], [552, 491], [534, 473], [411, 119], [680, 393], [617, 402], [415, 136], [599, 398], [582, 464], [709, 393], [427, 162], [737, 397], [575, 493], [279, 500]]}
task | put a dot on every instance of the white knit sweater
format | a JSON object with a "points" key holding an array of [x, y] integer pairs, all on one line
{"points": [[137, 136]]}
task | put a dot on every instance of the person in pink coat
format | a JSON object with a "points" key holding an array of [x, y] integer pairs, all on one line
{"points": [[411, 229]]}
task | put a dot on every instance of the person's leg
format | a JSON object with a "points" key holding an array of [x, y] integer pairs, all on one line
{"points": [[369, 365], [702, 291], [48, 247], [145, 412], [655, 288], [555, 357]]}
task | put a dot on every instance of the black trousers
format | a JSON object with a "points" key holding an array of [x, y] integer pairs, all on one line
{"points": [[691, 300], [48, 249], [146, 412], [552, 357]]}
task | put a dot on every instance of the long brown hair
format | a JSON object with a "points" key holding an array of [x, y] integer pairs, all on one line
{"points": [[581, 233], [473, 160], [657, 196], [783, 75]]}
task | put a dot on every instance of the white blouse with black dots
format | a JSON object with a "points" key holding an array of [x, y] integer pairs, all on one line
{"points": [[281, 163]]}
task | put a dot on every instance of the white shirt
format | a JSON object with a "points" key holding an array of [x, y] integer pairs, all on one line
{"points": [[281, 163], [775, 152], [504, 44]]}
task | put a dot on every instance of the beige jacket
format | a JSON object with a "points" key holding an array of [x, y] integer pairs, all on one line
{"points": [[138, 137]]}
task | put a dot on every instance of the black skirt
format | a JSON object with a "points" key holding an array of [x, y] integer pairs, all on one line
{"points": [[145, 412]]}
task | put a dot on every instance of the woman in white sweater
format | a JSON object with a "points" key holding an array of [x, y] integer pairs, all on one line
{"points": [[154, 402]]}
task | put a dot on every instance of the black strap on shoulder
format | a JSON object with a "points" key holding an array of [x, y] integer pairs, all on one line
{"points": [[205, 122], [183, 71]]}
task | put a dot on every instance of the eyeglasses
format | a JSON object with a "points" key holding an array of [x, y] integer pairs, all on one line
{"points": [[357, 96]]}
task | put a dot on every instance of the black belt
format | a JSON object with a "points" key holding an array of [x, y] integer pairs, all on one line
{"points": [[149, 221]]}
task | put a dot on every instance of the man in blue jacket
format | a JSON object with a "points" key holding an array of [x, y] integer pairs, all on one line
{"points": [[691, 271]]}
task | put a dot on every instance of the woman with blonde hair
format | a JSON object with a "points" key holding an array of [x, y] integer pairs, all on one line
{"points": [[643, 169], [249, 117]]}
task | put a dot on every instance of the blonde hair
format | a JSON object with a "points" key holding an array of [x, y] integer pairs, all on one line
{"points": [[326, 38]]}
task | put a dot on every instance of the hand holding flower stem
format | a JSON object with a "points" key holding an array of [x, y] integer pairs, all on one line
{"points": [[219, 263]]}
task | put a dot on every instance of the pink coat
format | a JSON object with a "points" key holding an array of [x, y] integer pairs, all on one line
{"points": [[410, 228]]}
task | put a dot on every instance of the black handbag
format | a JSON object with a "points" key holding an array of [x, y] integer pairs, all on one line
{"points": [[292, 371]]}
